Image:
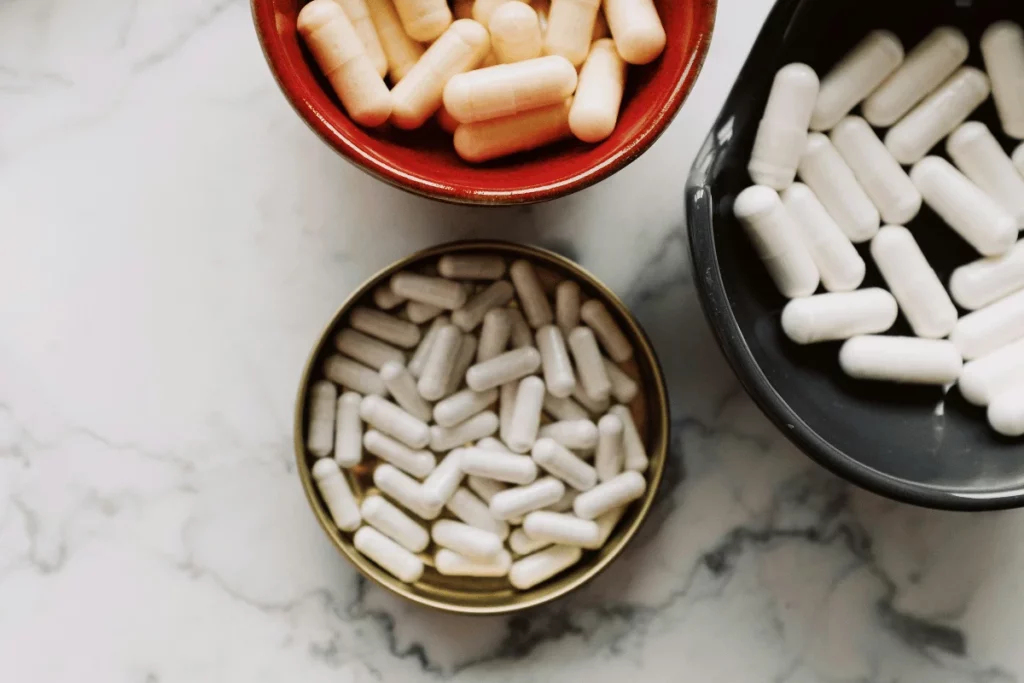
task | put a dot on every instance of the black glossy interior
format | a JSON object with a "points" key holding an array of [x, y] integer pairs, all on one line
{"points": [[910, 443]]}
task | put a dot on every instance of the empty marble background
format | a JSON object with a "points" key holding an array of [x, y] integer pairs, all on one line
{"points": [[172, 238]]}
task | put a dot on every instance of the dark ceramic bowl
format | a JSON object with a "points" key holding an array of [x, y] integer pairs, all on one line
{"points": [[908, 443], [424, 161]]}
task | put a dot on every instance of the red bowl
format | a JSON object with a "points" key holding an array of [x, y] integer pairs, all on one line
{"points": [[424, 161]]}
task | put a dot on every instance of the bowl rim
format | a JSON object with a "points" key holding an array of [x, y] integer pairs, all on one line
{"points": [[295, 91], [659, 414]]}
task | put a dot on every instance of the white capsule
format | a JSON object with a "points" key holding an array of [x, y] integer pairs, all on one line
{"points": [[567, 306], [471, 267], [474, 512], [366, 349], [466, 540], [577, 435], [988, 279], [907, 360], [520, 500], [404, 490], [323, 399], [532, 299], [841, 267], [1018, 158], [833, 317], [521, 334], [881, 176], [484, 487], [592, 405], [521, 544], [419, 312], [441, 484], [564, 408], [964, 207], [506, 407], [593, 378], [391, 557], [383, 297], [989, 375], [602, 83], [555, 527], [637, 29], [782, 133], [541, 566], [386, 417], [606, 525], [402, 386], [385, 327], [929, 64], [611, 452], [558, 373], [435, 291], [402, 52], [463, 405], [1002, 46], [778, 241], [348, 435], [477, 427], [508, 367], [981, 158], [525, 419], [832, 180], [937, 115], [463, 360], [504, 467], [855, 77], [354, 376], [987, 329], [419, 357], [1006, 412], [624, 387], [437, 370], [556, 459], [614, 493], [636, 455], [379, 513], [497, 294], [913, 283], [450, 563], [417, 463], [597, 318], [337, 494], [563, 504], [494, 335]]}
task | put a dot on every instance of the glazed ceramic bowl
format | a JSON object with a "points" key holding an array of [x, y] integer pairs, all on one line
{"points": [[914, 444], [496, 596], [424, 162]]}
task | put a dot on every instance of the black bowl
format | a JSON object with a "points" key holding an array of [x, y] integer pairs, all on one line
{"points": [[913, 444]]}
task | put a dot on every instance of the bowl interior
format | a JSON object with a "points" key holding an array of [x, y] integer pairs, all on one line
{"points": [[492, 596], [425, 162], [912, 443]]}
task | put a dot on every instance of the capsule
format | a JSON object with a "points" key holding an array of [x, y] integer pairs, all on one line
{"points": [[636, 455], [388, 418], [366, 349], [477, 427], [437, 371], [354, 376], [521, 544], [532, 299], [424, 20], [509, 89], [506, 407], [463, 360], [624, 388], [417, 96], [508, 367], [323, 399], [436, 291], [442, 483], [578, 435], [602, 83], [419, 312], [777, 240], [526, 416], [555, 527], [564, 408], [520, 500], [937, 115], [402, 386], [496, 138], [391, 557], [855, 77], [980, 157], [474, 512], [520, 334], [610, 456], [515, 33], [782, 133], [1006, 412], [570, 26], [484, 487], [404, 490], [1002, 46], [450, 563], [907, 360], [980, 333], [964, 207], [494, 335], [834, 317], [567, 306], [841, 267], [596, 316], [558, 373], [505, 467], [559, 461], [471, 267], [419, 356], [337, 494], [466, 540], [379, 513], [593, 378], [417, 463], [541, 566], [348, 435], [401, 51], [988, 279], [832, 180], [385, 299], [881, 176], [339, 52], [494, 296], [606, 524], [463, 405], [637, 29], [984, 378], [610, 495], [593, 405], [359, 14]]}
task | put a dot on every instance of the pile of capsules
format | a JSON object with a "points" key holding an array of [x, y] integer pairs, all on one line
{"points": [[853, 182], [502, 81], [482, 350]]}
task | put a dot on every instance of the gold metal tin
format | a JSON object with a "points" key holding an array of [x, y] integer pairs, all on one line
{"points": [[470, 595]]}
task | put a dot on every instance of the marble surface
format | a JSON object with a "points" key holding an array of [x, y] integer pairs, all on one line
{"points": [[172, 238]]}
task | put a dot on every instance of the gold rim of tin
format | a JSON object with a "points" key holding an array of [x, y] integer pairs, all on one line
{"points": [[657, 409]]}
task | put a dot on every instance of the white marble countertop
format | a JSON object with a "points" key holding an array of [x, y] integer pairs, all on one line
{"points": [[172, 239]]}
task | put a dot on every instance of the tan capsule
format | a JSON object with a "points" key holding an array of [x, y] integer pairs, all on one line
{"points": [[494, 335], [637, 29], [323, 399], [595, 109], [515, 33], [570, 26], [339, 52], [596, 316], [471, 267], [567, 306], [385, 299], [401, 51], [419, 312], [387, 328], [435, 291], [424, 20], [509, 89], [417, 96], [532, 299], [488, 140], [359, 14], [366, 349], [354, 376]]}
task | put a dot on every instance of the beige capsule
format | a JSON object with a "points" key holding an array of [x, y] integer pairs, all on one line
{"points": [[515, 33], [340, 54], [354, 376], [424, 20], [637, 29], [508, 367], [570, 27], [488, 140], [450, 563], [464, 359], [532, 299], [509, 89], [624, 388], [385, 327], [419, 312], [323, 399], [359, 14], [385, 299], [402, 386], [472, 314], [567, 306], [401, 51], [595, 314], [366, 349], [417, 96], [520, 334], [483, 10], [471, 267], [494, 335], [595, 109], [427, 289], [419, 356]]}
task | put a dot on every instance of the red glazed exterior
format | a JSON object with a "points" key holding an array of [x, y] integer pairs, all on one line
{"points": [[424, 162]]}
